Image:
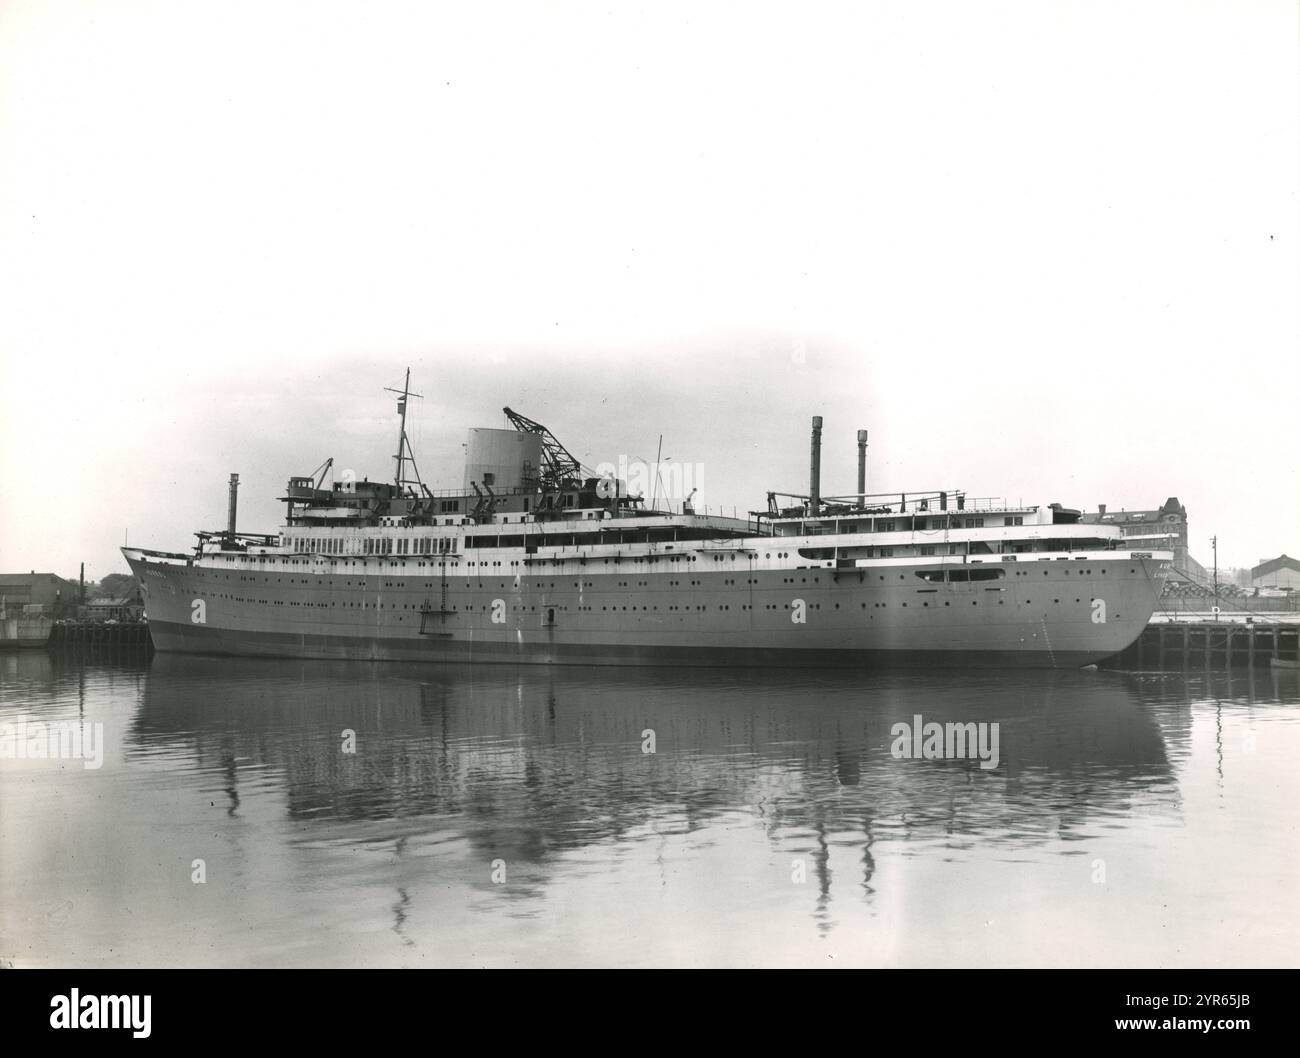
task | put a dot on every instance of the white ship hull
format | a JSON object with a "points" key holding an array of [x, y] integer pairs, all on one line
{"points": [[1049, 612]]}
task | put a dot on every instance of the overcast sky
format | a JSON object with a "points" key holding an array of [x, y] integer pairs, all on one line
{"points": [[1042, 250]]}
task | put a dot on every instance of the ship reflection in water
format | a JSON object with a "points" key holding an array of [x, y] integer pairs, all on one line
{"points": [[500, 815]]}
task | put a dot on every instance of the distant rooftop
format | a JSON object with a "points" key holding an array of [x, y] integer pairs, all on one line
{"points": [[1274, 564], [1170, 506], [7, 579]]}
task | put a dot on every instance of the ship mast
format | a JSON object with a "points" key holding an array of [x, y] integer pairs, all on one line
{"points": [[404, 451]]}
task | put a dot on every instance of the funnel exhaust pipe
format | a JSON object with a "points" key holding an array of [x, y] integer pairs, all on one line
{"points": [[233, 506], [815, 469], [862, 468]]}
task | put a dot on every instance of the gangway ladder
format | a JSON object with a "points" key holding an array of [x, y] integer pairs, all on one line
{"points": [[427, 613]]}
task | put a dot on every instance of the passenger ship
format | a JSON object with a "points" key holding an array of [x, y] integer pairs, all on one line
{"points": [[536, 560]]}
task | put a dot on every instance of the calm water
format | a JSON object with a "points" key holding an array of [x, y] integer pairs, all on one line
{"points": [[497, 816]]}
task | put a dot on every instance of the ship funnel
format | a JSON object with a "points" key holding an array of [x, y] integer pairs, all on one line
{"points": [[234, 504], [862, 468], [815, 470]]}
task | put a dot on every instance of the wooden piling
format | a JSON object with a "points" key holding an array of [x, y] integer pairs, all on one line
{"points": [[1212, 644]]}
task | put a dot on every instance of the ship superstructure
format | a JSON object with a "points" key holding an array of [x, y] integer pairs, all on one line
{"points": [[534, 559]]}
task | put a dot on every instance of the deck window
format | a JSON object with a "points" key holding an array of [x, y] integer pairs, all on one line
{"points": [[959, 576]]}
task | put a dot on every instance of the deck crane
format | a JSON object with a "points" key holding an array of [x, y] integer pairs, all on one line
{"points": [[560, 470], [319, 473]]}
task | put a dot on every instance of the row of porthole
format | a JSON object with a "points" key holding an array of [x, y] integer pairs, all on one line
{"points": [[1082, 572], [517, 609], [784, 580], [974, 602], [606, 560], [584, 559], [380, 605]]}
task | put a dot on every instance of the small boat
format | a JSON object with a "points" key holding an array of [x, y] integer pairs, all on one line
{"points": [[1280, 663]]}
